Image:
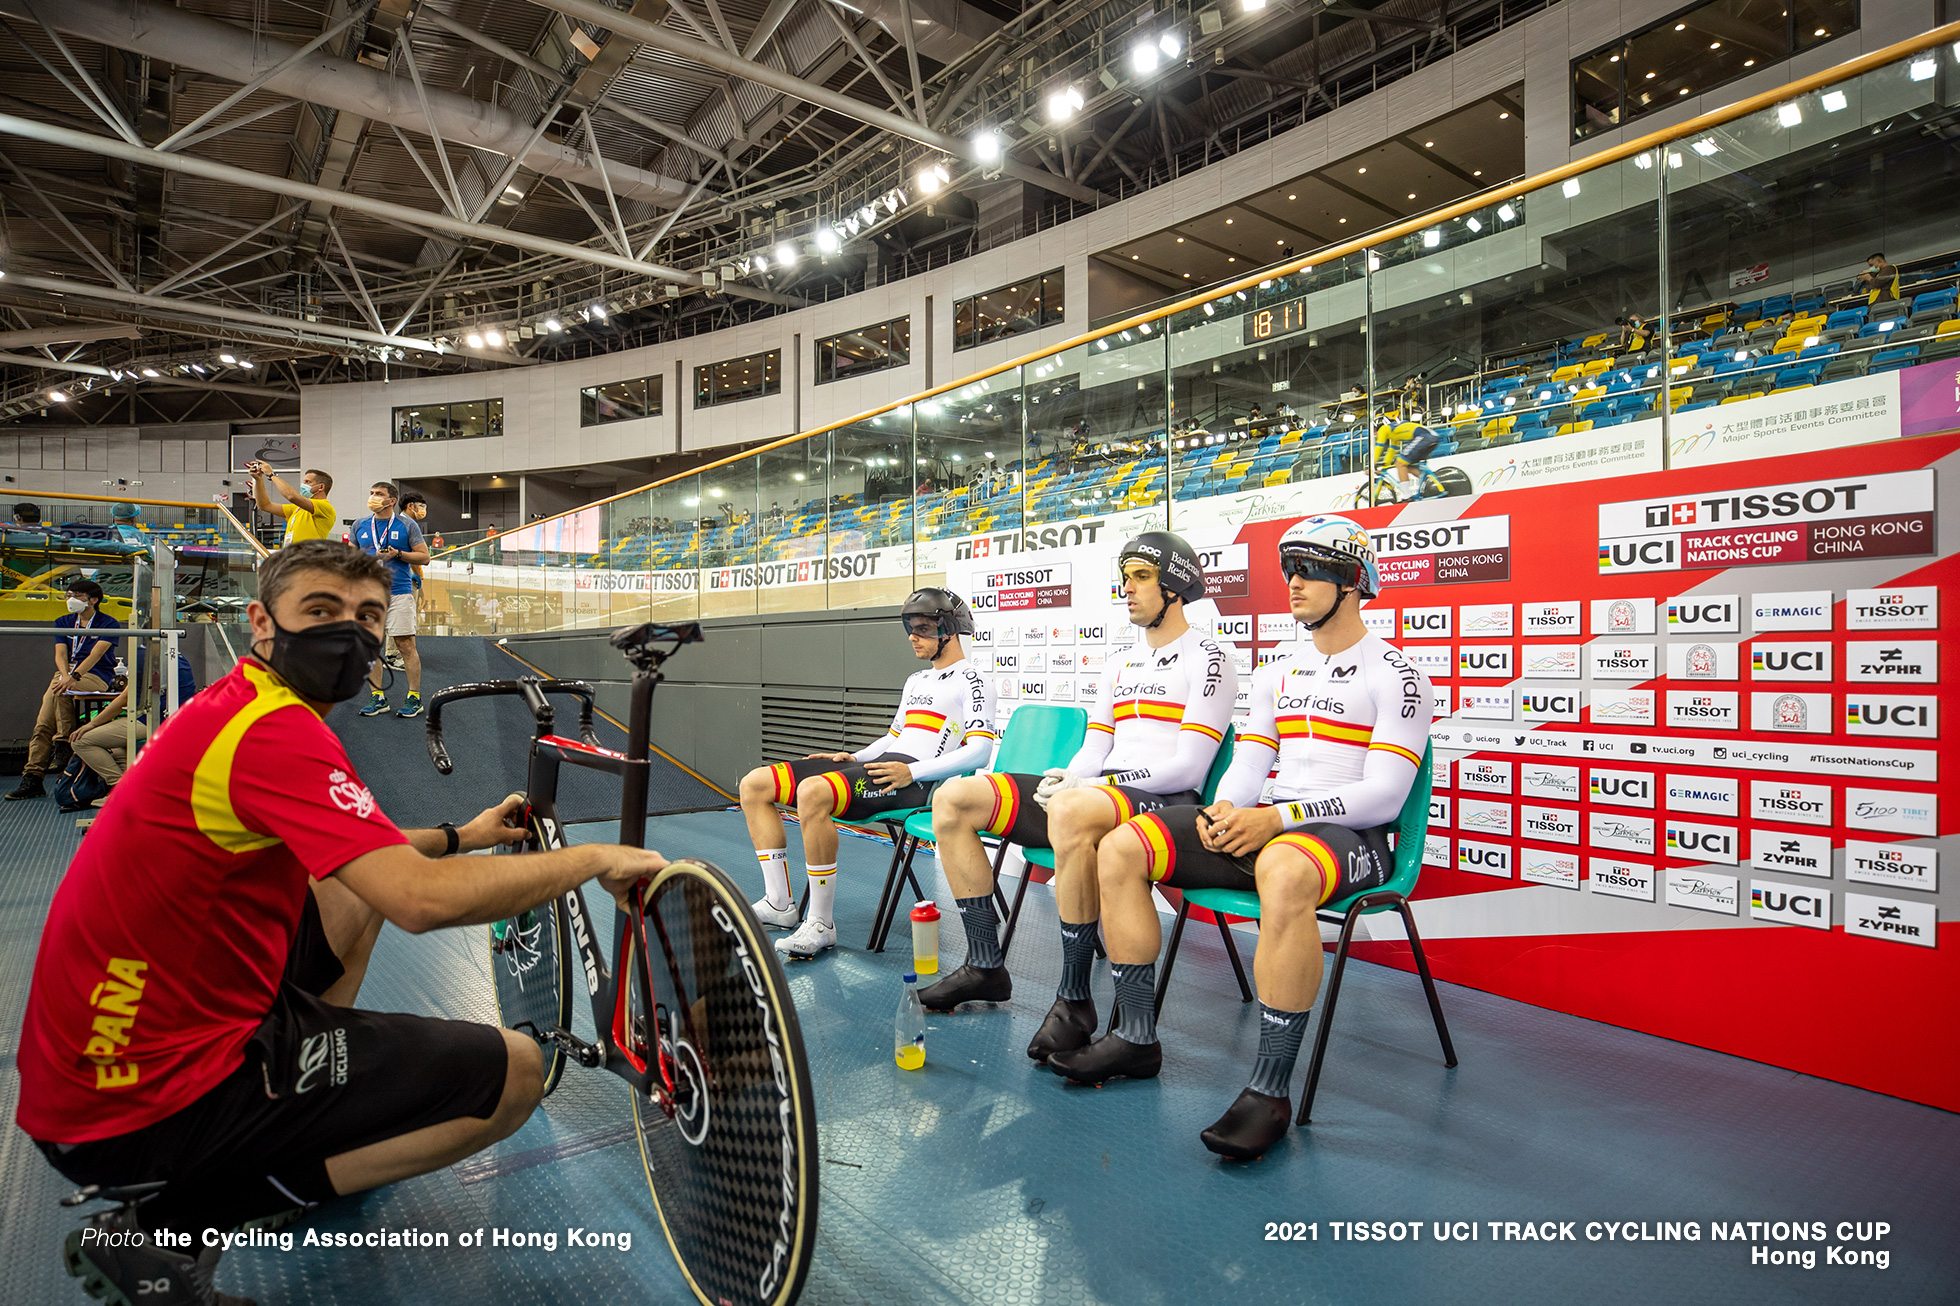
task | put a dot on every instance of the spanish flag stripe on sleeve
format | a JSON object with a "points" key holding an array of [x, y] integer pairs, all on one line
{"points": [[1396, 749], [1204, 730], [978, 734], [1250, 738], [1097, 725]]}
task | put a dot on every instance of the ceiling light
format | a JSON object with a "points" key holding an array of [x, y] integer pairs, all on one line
{"points": [[597, 310], [986, 146], [1714, 45], [1680, 27], [1818, 32], [1921, 69], [1143, 57], [1180, 240], [785, 255], [1063, 104], [1571, 187], [474, 340], [1362, 170], [151, 371], [1251, 6], [494, 338], [1790, 115], [553, 325], [1502, 116], [929, 180], [1614, 59], [1833, 101], [828, 241], [245, 363], [1210, 311], [1343, 222], [1706, 147], [59, 396], [1682, 91], [1135, 257], [1144, 327], [228, 359], [1293, 197], [1412, 194], [1228, 222], [1652, 76], [1431, 238], [1477, 173]]}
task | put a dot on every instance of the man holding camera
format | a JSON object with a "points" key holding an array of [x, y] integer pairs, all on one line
{"points": [[308, 514]]}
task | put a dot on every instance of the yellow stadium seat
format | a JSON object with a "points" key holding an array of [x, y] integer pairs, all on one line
{"points": [[1950, 327], [1714, 320], [1566, 373], [1280, 477], [1595, 367], [1588, 392], [1679, 395], [1591, 341], [1573, 428]]}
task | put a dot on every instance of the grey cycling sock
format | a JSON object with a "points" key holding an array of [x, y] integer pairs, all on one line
{"points": [[1136, 1002], [1078, 953], [1280, 1033], [982, 934]]}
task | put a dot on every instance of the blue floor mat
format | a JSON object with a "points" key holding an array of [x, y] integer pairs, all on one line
{"points": [[984, 1179]]}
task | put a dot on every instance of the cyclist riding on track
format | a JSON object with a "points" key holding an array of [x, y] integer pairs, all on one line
{"points": [[1403, 446], [191, 1018]]}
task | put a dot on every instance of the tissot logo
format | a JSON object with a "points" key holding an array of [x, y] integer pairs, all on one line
{"points": [[1717, 710], [1620, 661], [1902, 608], [1905, 866], [1551, 618], [1552, 824], [1621, 879], [1486, 777], [1782, 800]]}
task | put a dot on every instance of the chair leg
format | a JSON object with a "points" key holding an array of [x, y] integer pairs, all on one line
{"points": [[1170, 953], [1428, 984], [901, 864], [1326, 1019], [1232, 951], [1013, 917]]}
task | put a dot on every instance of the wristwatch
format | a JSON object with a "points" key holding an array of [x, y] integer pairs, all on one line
{"points": [[455, 840]]}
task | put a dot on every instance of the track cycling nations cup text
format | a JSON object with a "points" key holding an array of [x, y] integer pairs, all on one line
{"points": [[1800, 1244]]}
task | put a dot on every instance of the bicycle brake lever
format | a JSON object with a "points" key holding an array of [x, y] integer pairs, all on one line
{"points": [[437, 753]]}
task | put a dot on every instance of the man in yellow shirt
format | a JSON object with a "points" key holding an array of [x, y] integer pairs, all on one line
{"points": [[308, 514]]}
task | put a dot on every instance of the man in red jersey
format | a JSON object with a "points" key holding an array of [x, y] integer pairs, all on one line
{"points": [[191, 1018]]}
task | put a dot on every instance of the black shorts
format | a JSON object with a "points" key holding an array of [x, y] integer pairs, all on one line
{"points": [[1019, 819], [1350, 861], [1420, 447], [854, 795], [317, 1080]]}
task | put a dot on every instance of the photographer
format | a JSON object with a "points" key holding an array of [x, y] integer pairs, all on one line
{"points": [[308, 514]]}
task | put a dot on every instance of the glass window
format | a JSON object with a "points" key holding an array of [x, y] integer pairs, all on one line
{"points": [[619, 401], [1008, 310], [868, 349], [1693, 51], [738, 379], [462, 421]]}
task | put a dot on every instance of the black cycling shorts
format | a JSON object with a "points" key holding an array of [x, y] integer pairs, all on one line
{"points": [[317, 1080], [1420, 446], [854, 795], [1350, 861], [1019, 819]]}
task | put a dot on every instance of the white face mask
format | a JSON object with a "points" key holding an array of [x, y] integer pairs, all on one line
{"points": [[77, 605]]}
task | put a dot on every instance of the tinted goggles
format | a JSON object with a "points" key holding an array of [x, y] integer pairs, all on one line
{"points": [[1315, 565], [922, 627]]}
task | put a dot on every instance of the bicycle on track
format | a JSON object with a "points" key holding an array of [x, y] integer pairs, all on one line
{"points": [[1438, 483], [691, 1009]]}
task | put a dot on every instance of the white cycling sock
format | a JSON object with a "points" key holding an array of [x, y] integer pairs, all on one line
{"points": [[775, 877], [823, 892]]}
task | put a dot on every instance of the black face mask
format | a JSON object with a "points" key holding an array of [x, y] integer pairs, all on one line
{"points": [[326, 663]]}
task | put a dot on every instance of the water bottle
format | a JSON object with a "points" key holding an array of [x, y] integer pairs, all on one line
{"points": [[909, 1029], [925, 938]]}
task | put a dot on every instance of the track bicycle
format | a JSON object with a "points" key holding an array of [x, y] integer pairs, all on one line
{"points": [[691, 1009], [1437, 483]]}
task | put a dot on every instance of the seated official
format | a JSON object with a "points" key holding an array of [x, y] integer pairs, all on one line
{"points": [[1346, 721], [82, 662], [191, 1018], [103, 743], [944, 726], [1162, 710]]}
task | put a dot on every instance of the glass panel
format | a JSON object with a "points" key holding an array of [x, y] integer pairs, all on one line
{"points": [[966, 324], [621, 401], [1269, 390], [704, 387], [967, 439], [1051, 298], [854, 353], [898, 341], [871, 510], [790, 533], [673, 550], [1817, 21], [588, 406], [1008, 311], [744, 378], [726, 512], [1096, 421], [496, 417], [1802, 321], [654, 405], [1596, 91], [468, 421]]}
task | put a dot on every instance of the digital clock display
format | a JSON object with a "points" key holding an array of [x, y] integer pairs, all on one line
{"points": [[1279, 320]]}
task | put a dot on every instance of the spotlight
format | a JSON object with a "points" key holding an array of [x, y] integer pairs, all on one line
{"points": [[1571, 187], [1834, 101], [494, 338], [828, 241], [986, 146], [597, 310], [474, 340], [1790, 115], [1432, 238], [1474, 225], [59, 396], [1063, 104], [553, 325], [1143, 57], [227, 359], [151, 371], [786, 255]]}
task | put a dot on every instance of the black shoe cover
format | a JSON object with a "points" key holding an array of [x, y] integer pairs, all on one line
{"points": [[1252, 1124], [1069, 1025], [968, 984], [1110, 1057]]}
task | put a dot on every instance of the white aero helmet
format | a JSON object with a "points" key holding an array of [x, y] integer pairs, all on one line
{"points": [[1330, 548]]}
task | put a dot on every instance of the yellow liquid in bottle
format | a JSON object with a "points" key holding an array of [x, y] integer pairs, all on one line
{"points": [[925, 965], [911, 1057]]}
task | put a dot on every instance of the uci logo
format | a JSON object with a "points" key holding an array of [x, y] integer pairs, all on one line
{"points": [[1880, 716], [1425, 621], [1636, 553], [1700, 614], [1615, 786], [1495, 859], [1707, 841]]}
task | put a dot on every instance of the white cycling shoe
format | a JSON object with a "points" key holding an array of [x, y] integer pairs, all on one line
{"points": [[776, 918], [811, 938]]}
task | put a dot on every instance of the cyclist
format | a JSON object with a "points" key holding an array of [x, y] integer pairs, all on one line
{"points": [[191, 1016], [1346, 721], [944, 726], [1403, 445], [1163, 708]]}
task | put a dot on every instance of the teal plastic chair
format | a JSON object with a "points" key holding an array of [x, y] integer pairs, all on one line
{"points": [[1038, 736], [1410, 828]]}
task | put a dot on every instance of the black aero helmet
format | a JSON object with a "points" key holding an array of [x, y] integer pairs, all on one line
{"points": [[943, 606], [1179, 573]]}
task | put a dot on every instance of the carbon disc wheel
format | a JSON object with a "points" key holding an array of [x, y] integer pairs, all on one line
{"points": [[731, 1160], [530, 971]]}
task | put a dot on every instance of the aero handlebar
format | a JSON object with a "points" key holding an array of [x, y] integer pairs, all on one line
{"points": [[532, 689]]}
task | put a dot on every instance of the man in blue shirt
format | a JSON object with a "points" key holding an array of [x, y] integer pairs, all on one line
{"points": [[103, 743], [397, 541], [80, 662]]}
